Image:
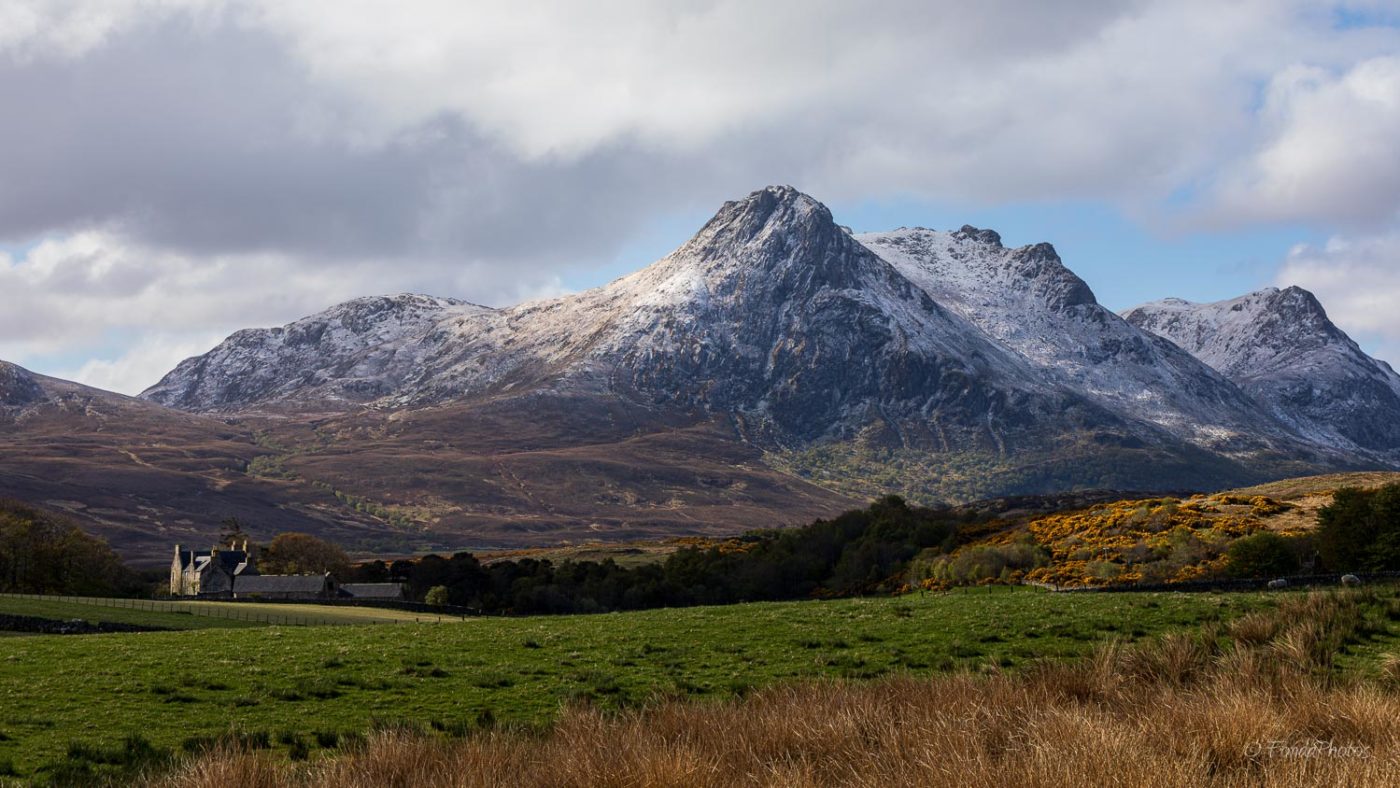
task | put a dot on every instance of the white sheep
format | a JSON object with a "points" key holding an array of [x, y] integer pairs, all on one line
{"points": [[1351, 580], [1275, 585]]}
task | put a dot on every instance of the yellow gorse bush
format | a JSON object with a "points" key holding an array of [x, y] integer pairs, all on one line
{"points": [[1163, 540]]}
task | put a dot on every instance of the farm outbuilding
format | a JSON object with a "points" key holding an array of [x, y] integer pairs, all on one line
{"points": [[285, 587], [381, 591]]}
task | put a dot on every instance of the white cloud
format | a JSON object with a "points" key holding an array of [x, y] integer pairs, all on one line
{"points": [[74, 294], [1128, 99], [205, 165], [1331, 152], [142, 364], [1125, 99], [1358, 281]]}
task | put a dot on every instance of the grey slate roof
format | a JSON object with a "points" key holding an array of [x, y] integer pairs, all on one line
{"points": [[280, 584], [373, 590], [233, 561]]}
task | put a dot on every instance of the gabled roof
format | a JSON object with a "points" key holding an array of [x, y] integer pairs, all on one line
{"points": [[373, 590], [231, 561], [280, 584]]}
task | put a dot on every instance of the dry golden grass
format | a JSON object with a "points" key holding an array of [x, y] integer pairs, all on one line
{"points": [[1213, 708], [1292, 489]]}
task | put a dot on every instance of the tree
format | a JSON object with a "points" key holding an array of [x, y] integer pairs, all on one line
{"points": [[1265, 554], [371, 572], [1360, 530], [437, 596], [297, 553], [231, 531], [859, 552], [46, 554]]}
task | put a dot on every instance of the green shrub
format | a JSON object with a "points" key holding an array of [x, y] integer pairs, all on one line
{"points": [[984, 562], [1360, 530], [1265, 554]]}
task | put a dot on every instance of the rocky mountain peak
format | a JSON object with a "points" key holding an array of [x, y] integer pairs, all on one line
{"points": [[1265, 328], [17, 386], [1295, 303], [970, 267], [347, 352], [1282, 349], [1059, 287], [769, 222], [970, 233], [1029, 302]]}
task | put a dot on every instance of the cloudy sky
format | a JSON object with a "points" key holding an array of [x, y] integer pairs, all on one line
{"points": [[172, 170]]}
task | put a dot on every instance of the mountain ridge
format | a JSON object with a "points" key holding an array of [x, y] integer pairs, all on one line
{"points": [[1027, 300], [1279, 345], [804, 333], [774, 368]]}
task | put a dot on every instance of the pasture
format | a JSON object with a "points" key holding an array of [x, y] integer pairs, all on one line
{"points": [[66, 697], [172, 614]]}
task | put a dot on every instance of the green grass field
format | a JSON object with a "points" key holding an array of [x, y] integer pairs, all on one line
{"points": [[289, 683], [203, 615]]}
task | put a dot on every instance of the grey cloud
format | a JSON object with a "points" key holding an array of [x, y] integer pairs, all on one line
{"points": [[299, 128], [246, 162], [206, 142], [1358, 278]]}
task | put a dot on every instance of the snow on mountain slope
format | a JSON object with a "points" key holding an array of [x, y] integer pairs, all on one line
{"points": [[1029, 302], [771, 312], [775, 317], [1281, 348], [17, 386], [352, 352]]}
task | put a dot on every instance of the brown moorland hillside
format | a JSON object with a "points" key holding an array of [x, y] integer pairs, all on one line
{"points": [[145, 477], [563, 471], [467, 476]]}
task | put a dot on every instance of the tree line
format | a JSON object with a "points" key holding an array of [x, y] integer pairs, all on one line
{"points": [[43, 553], [859, 552], [864, 551]]}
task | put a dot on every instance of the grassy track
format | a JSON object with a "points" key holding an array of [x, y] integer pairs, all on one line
{"points": [[201, 615], [173, 686]]}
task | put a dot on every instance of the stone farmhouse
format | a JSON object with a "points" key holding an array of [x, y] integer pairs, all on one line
{"points": [[232, 573]]}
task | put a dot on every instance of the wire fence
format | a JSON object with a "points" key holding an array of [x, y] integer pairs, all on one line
{"points": [[235, 611], [1251, 584]]}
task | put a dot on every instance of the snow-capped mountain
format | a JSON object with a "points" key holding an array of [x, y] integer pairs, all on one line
{"points": [[1029, 302], [1281, 348], [777, 322], [771, 313], [354, 352], [773, 369]]}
